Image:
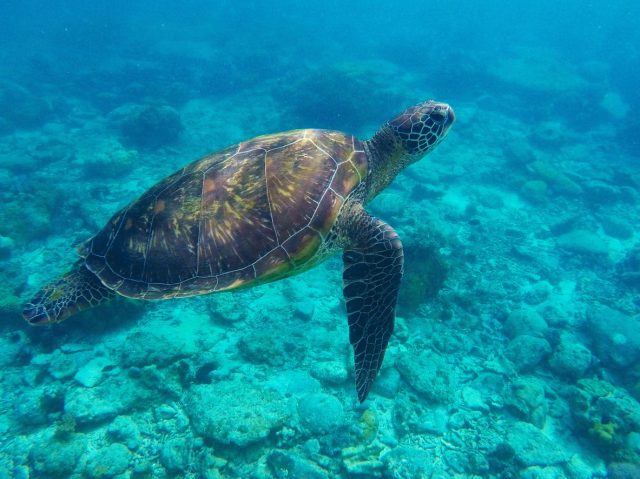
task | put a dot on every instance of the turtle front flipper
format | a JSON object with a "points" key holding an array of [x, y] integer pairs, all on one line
{"points": [[373, 264], [77, 290]]}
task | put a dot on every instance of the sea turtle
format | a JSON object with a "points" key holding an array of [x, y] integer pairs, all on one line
{"points": [[255, 212]]}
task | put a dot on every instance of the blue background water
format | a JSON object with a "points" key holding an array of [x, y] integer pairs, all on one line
{"points": [[517, 345]]}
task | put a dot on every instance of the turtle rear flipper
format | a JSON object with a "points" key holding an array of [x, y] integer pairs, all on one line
{"points": [[77, 290], [372, 271]]}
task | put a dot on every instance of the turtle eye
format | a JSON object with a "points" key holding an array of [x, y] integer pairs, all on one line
{"points": [[438, 116]]}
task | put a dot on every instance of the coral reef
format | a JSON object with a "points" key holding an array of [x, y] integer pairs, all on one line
{"points": [[22, 108], [425, 275], [150, 126], [628, 269], [623, 470], [218, 413]]}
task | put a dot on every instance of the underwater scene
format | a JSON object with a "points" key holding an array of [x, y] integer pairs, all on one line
{"points": [[132, 184]]}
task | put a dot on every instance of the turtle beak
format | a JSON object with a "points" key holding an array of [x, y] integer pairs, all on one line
{"points": [[451, 117], [35, 315]]}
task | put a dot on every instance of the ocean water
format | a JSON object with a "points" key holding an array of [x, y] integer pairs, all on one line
{"points": [[516, 349]]}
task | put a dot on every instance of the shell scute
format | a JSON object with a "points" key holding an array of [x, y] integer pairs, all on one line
{"points": [[327, 211], [359, 160], [271, 142], [296, 180], [303, 245], [159, 244], [272, 266], [234, 215], [346, 179], [332, 143]]}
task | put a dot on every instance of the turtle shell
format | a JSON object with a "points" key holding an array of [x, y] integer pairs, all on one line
{"points": [[251, 213]]}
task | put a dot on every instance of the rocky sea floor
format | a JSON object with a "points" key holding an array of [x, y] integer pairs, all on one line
{"points": [[517, 345]]}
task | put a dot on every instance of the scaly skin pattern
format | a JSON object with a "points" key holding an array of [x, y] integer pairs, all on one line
{"points": [[75, 291], [252, 213], [404, 140]]}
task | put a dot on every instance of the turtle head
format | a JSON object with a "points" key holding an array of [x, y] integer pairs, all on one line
{"points": [[404, 140], [420, 128], [77, 290], [52, 304]]}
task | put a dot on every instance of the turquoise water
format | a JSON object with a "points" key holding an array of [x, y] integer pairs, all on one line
{"points": [[517, 340]]}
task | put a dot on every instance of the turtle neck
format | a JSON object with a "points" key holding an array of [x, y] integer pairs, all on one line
{"points": [[386, 160]]}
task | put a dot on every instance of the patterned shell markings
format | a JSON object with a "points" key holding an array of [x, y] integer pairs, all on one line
{"points": [[251, 213]]}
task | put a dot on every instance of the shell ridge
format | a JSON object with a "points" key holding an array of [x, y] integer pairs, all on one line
{"points": [[200, 220], [115, 235], [266, 184]]}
